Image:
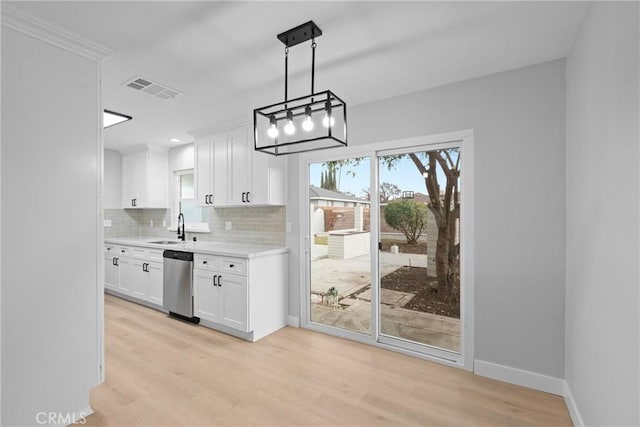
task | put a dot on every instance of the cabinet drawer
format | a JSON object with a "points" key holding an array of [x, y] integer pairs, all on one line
{"points": [[124, 251], [206, 262], [112, 250], [154, 255], [136, 252], [234, 265]]}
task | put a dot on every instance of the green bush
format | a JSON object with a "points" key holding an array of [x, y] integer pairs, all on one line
{"points": [[407, 216]]}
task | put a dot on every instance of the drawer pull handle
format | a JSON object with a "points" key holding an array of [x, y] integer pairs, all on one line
{"points": [[204, 262], [214, 280], [219, 279]]}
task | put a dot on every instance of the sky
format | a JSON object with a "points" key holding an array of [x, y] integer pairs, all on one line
{"points": [[354, 179]]}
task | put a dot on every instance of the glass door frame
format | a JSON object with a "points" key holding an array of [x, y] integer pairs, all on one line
{"points": [[462, 139]]}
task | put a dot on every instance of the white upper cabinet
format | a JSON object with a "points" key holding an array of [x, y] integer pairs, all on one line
{"points": [[235, 174], [203, 170], [144, 179]]}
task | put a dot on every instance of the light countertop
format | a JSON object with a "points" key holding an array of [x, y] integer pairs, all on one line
{"points": [[200, 247]]}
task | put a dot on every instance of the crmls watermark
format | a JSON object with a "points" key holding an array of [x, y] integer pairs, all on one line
{"points": [[59, 418]]}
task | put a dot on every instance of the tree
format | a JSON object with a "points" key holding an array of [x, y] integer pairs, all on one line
{"points": [[445, 207], [407, 216], [328, 178], [388, 192]]}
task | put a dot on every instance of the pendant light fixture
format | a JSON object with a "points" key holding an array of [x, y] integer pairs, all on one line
{"points": [[312, 122]]}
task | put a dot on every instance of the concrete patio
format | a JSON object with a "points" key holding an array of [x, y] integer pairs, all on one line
{"points": [[351, 278]]}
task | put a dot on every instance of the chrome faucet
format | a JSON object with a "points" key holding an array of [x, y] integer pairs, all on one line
{"points": [[181, 236]]}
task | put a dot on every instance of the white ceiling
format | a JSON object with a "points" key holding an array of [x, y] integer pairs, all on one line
{"points": [[226, 59]]}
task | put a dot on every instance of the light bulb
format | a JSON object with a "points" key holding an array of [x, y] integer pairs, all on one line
{"points": [[307, 124], [289, 128], [273, 129], [328, 121]]}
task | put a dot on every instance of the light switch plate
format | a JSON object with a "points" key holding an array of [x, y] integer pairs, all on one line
{"points": [[227, 225], [107, 223]]}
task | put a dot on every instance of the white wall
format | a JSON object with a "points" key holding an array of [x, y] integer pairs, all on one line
{"points": [[518, 118], [50, 147], [112, 194], [602, 332]]}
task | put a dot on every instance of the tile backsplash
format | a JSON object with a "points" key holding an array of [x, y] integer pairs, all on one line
{"points": [[253, 225]]}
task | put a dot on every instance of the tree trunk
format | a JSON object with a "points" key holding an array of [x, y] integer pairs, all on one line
{"points": [[442, 256]]}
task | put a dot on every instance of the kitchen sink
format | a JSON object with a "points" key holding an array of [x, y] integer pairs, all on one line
{"points": [[165, 242]]}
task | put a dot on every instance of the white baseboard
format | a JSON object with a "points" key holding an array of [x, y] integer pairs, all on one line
{"points": [[571, 405], [519, 377], [293, 321]]}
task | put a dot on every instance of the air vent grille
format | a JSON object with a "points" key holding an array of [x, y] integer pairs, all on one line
{"points": [[143, 84]]}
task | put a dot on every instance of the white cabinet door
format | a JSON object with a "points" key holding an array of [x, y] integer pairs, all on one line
{"points": [[240, 170], [125, 275], [220, 170], [129, 181], [234, 301], [110, 271], [206, 296], [139, 285], [142, 179], [154, 282], [203, 168]]}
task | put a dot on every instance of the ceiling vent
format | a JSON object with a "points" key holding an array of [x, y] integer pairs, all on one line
{"points": [[156, 89]]}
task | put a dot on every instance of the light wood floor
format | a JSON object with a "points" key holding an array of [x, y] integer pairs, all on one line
{"points": [[160, 371]]}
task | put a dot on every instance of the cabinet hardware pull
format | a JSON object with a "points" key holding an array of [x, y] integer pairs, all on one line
{"points": [[248, 201], [211, 199], [113, 260], [243, 198], [117, 262], [206, 199], [230, 265], [214, 280], [204, 262], [219, 279]]}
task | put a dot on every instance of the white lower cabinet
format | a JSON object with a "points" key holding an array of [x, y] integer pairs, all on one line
{"points": [[135, 272], [154, 284], [221, 298], [206, 296], [244, 297], [125, 275], [110, 268]]}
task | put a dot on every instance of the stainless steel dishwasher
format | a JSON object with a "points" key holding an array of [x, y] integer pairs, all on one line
{"points": [[177, 284]]}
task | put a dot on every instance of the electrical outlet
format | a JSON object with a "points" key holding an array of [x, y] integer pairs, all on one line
{"points": [[288, 227], [227, 225], [107, 223], [151, 223]]}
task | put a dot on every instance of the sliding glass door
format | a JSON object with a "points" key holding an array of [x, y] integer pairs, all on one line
{"points": [[384, 249], [419, 252], [340, 240]]}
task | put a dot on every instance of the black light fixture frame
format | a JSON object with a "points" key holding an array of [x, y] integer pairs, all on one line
{"points": [[315, 102], [127, 118]]}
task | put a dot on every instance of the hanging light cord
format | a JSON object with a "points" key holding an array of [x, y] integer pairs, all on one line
{"points": [[313, 64], [286, 75]]}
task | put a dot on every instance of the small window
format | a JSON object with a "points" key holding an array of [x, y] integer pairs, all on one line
{"points": [[195, 217]]}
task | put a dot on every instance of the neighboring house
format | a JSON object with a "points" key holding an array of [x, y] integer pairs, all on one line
{"points": [[332, 210], [323, 197]]}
